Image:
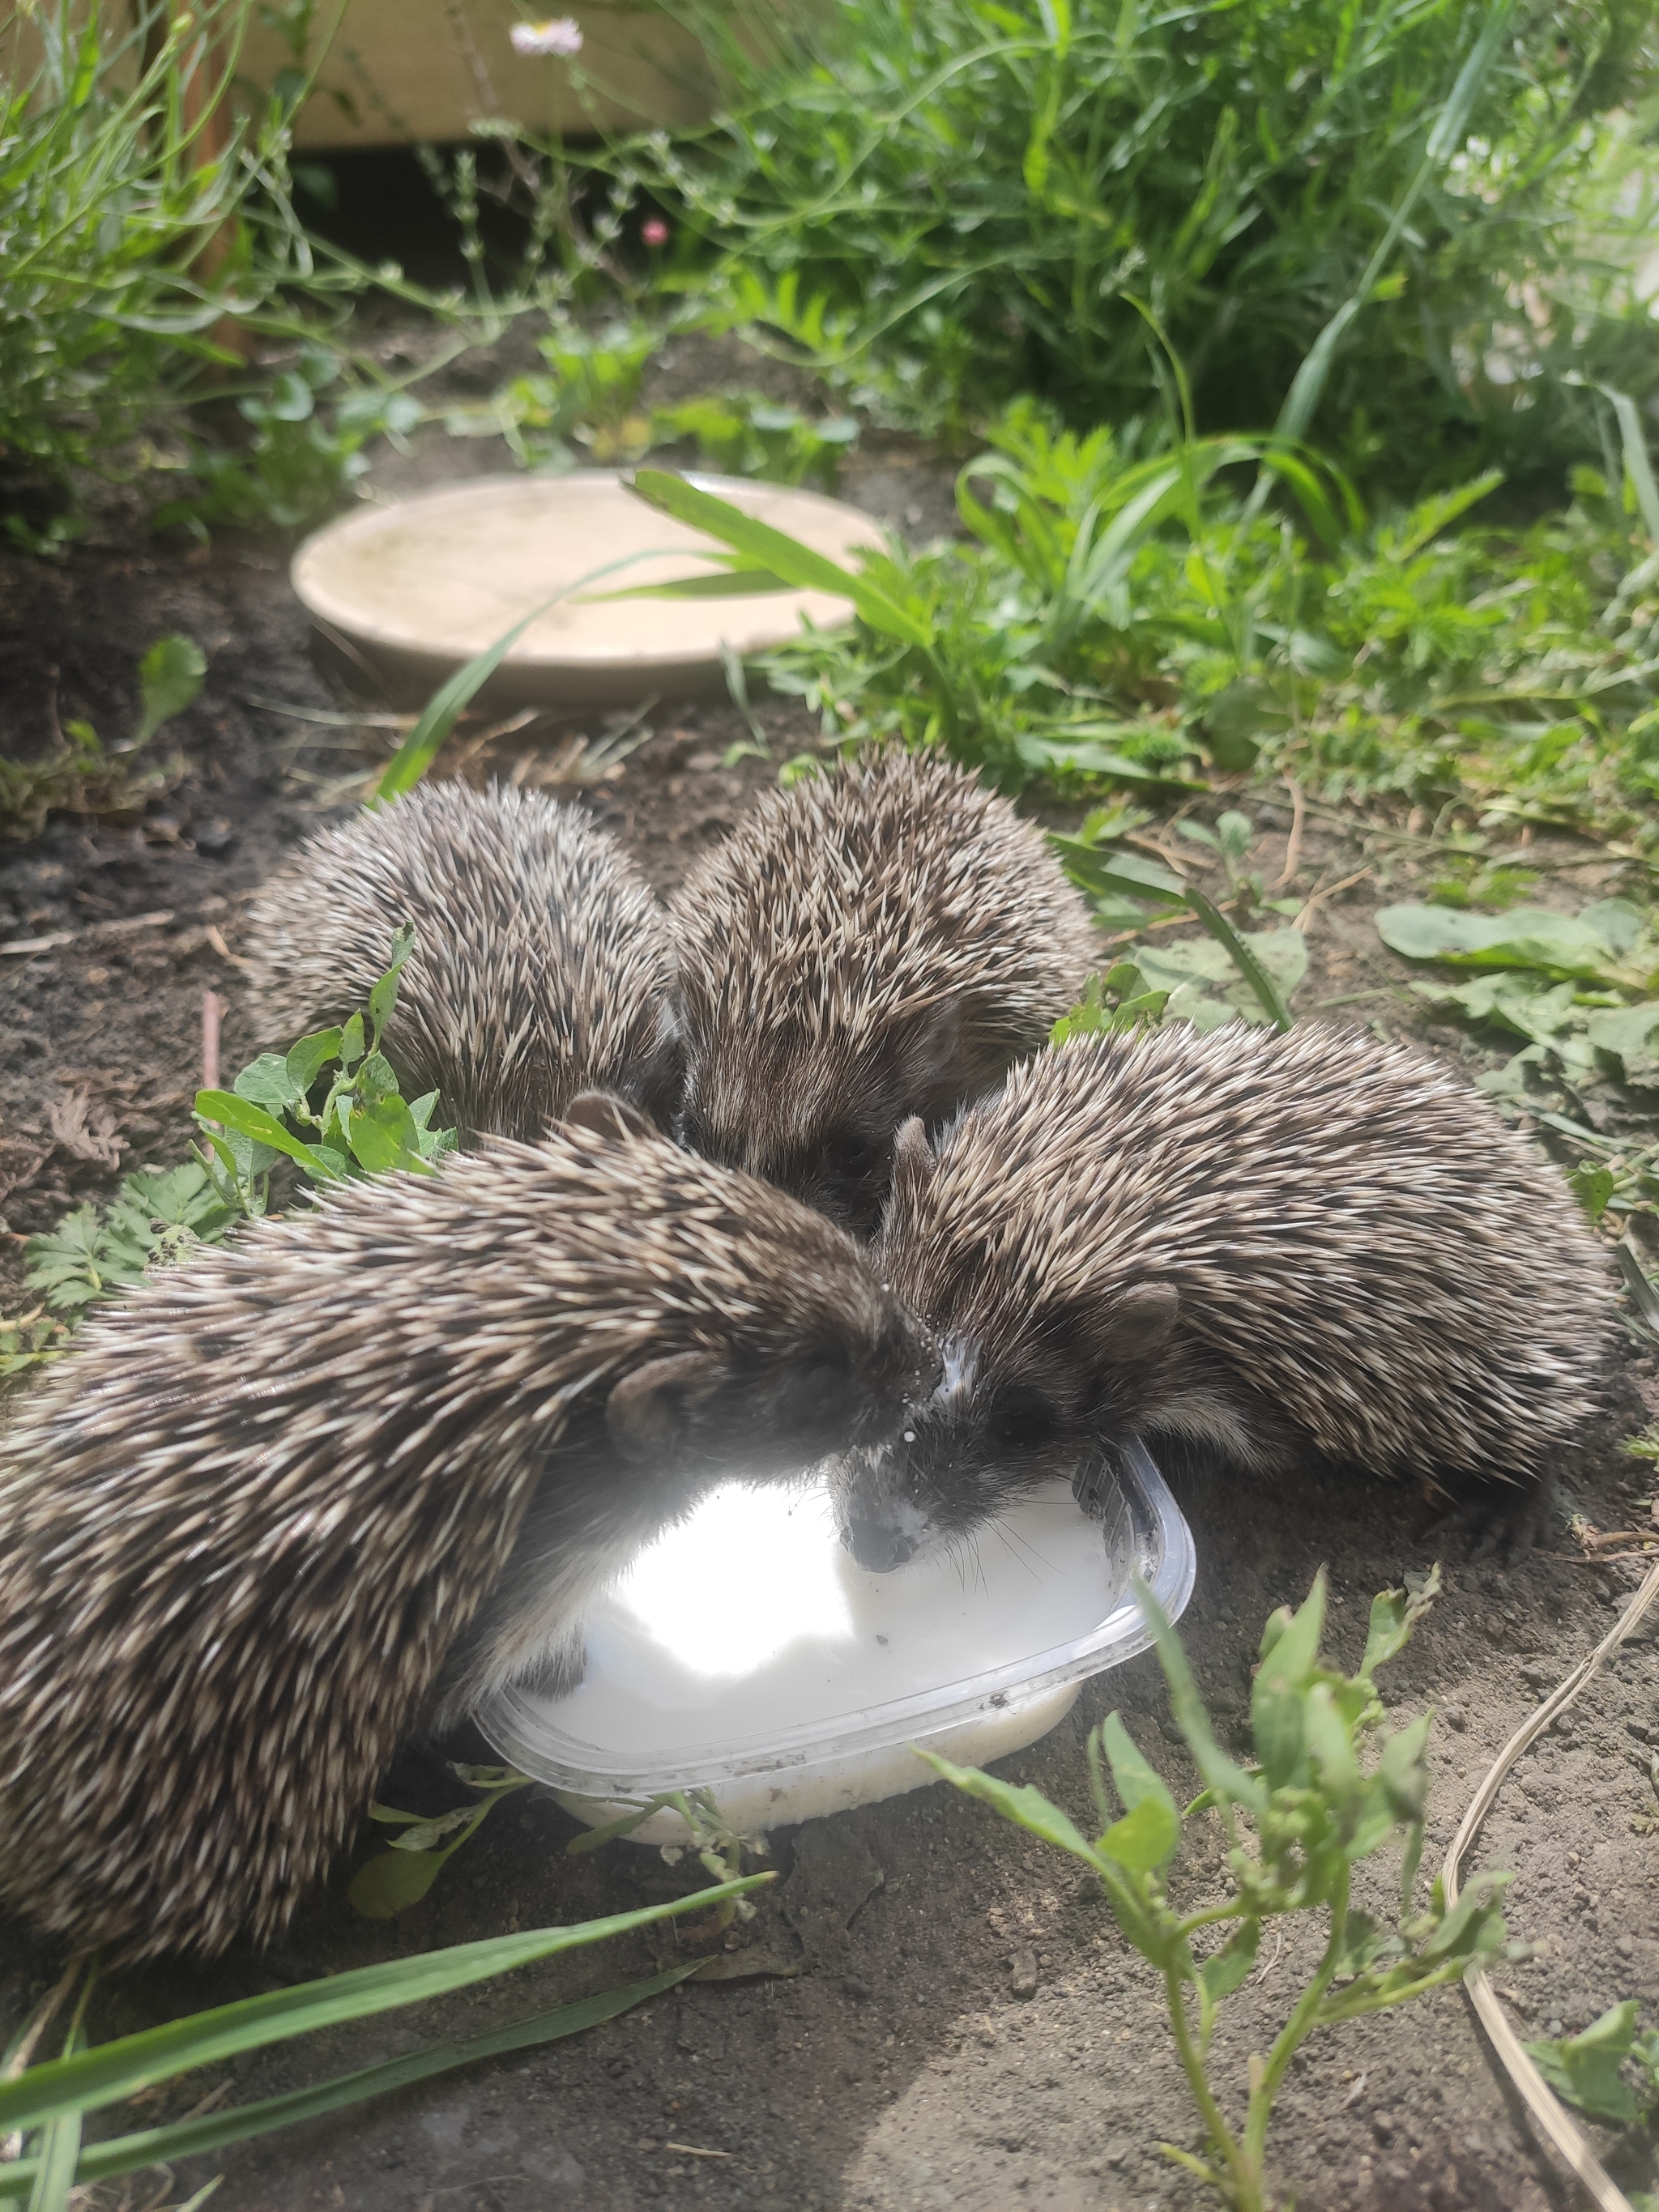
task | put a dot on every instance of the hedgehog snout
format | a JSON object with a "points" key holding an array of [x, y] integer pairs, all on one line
{"points": [[878, 1549]]}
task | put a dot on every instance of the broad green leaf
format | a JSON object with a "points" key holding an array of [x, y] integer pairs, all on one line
{"points": [[383, 1136], [194, 2138], [391, 1881], [1403, 1770], [267, 1082], [1145, 1838], [1362, 1944], [1395, 1615], [111, 2071], [782, 556], [1106, 868], [1066, 755], [169, 677], [1558, 944], [308, 1058], [1138, 1784], [1626, 1030], [383, 998], [247, 1120], [1279, 1690], [1330, 1745], [1586, 2069], [1227, 1969], [1222, 1775], [1027, 1807], [376, 1078], [351, 1043]]}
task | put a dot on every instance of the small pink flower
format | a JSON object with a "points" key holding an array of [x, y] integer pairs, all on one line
{"points": [[558, 35], [655, 232]]}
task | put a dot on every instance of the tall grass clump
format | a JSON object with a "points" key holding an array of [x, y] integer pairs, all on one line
{"points": [[124, 181], [976, 198]]}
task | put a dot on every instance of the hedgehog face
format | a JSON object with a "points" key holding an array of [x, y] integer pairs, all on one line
{"points": [[990, 1433], [818, 1117]]}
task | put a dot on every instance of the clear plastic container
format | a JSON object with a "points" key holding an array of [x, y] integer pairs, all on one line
{"points": [[745, 1653]]}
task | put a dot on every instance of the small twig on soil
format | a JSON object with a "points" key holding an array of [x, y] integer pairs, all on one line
{"points": [[1553, 2120], [1329, 892], [1293, 844], [212, 1014], [124, 929], [690, 2150]]}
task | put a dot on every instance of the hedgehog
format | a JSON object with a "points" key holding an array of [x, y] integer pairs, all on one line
{"points": [[870, 945], [541, 968], [245, 1522], [1244, 1247]]}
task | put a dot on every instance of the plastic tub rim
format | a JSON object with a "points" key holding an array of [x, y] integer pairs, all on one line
{"points": [[1168, 1562]]}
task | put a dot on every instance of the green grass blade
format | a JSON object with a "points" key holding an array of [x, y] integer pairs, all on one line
{"points": [[450, 701], [724, 584], [113, 2070], [54, 2167], [1450, 128], [780, 554], [1637, 463], [120, 2155], [1240, 956]]}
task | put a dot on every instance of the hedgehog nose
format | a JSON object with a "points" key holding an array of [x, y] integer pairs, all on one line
{"points": [[875, 1547]]}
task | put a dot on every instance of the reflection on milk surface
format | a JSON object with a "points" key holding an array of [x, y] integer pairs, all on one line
{"points": [[751, 1616]]}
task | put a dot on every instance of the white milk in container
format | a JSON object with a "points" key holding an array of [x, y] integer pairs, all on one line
{"points": [[745, 1653]]}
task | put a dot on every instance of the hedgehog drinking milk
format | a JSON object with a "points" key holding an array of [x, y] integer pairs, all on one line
{"points": [[1243, 1248]]}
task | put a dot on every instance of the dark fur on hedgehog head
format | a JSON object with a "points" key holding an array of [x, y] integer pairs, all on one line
{"points": [[873, 944], [265, 1516], [1242, 1247], [541, 966]]}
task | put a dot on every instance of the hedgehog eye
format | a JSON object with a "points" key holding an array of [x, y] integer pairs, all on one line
{"points": [[1022, 1418], [815, 1400], [850, 1154]]}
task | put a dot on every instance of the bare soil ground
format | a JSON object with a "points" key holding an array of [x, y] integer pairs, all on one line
{"points": [[881, 2059]]}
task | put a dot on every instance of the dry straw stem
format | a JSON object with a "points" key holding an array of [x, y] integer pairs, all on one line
{"points": [[1554, 2121]]}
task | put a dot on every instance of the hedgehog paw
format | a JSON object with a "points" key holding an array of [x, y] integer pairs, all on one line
{"points": [[1506, 1526]]}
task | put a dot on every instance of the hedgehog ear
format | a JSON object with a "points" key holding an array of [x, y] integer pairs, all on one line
{"points": [[1136, 1325], [913, 1162], [648, 1413], [607, 1116]]}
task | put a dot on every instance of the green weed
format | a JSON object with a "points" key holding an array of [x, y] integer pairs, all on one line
{"points": [[363, 1126], [83, 776], [123, 242], [1581, 992], [394, 1879], [158, 1216], [1611, 2070], [965, 200], [1295, 1823], [45, 2102]]}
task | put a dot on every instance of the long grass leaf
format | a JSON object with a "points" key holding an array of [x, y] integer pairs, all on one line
{"points": [[120, 2155], [774, 550], [450, 701], [1450, 128], [113, 2070], [1636, 461], [54, 2166], [1240, 954]]}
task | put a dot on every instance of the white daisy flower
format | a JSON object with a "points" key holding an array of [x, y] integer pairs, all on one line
{"points": [[559, 34]]}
